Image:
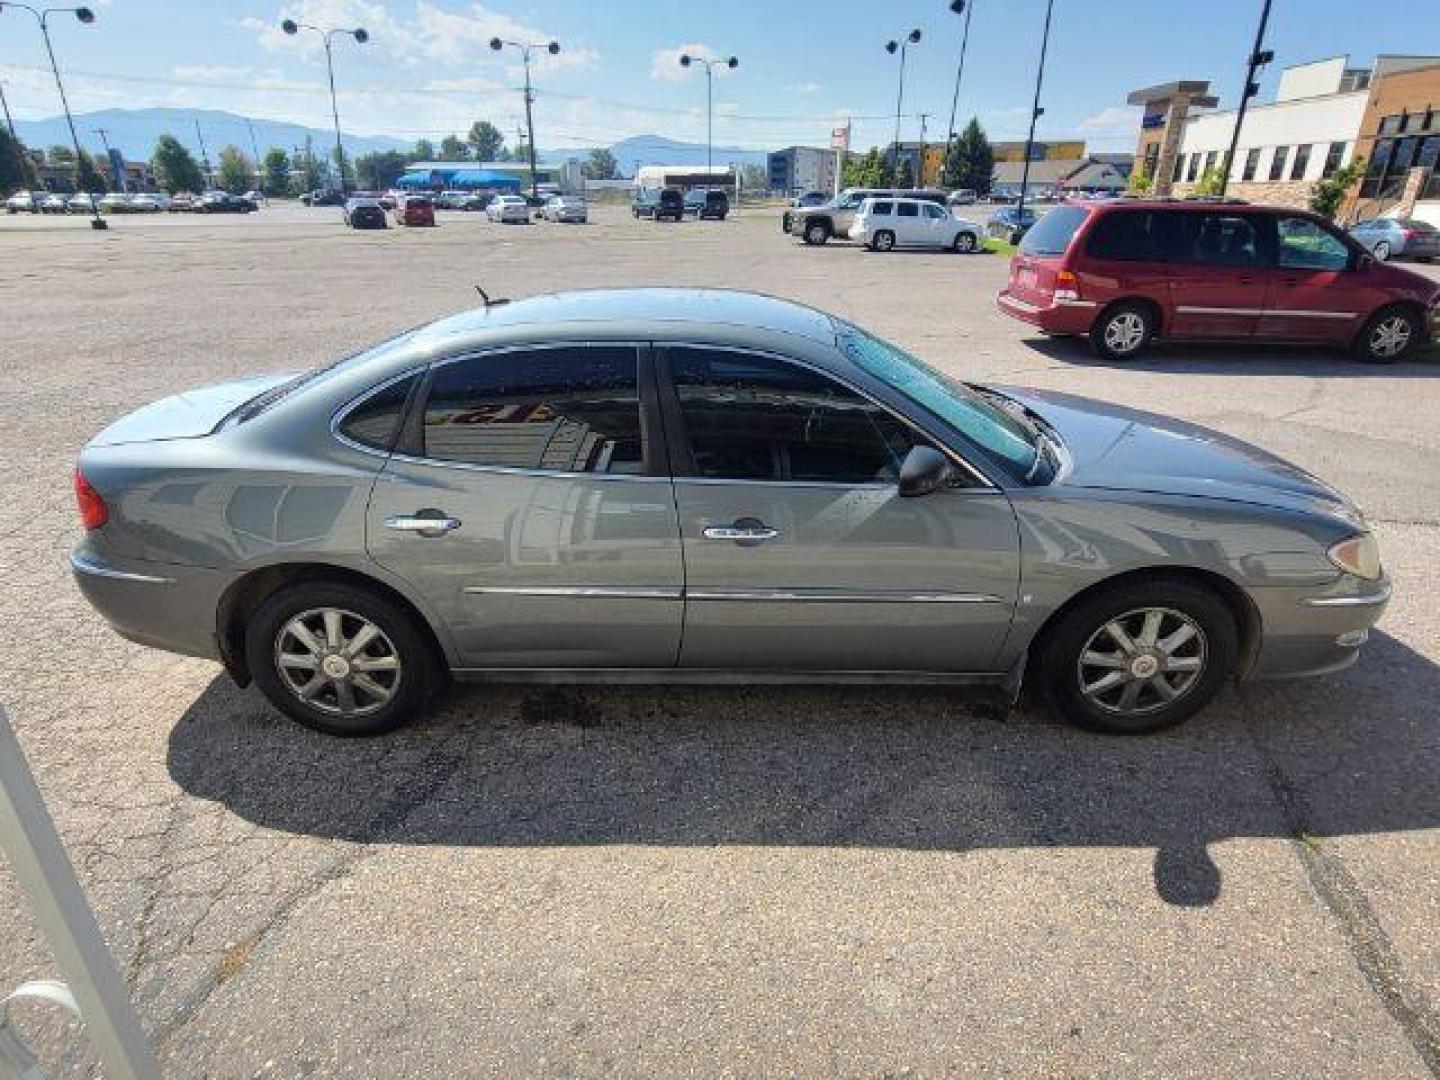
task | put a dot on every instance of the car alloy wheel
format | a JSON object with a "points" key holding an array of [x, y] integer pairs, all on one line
{"points": [[816, 233], [1381, 251], [1125, 332], [1390, 336], [965, 243], [884, 241], [337, 662], [1141, 661]]}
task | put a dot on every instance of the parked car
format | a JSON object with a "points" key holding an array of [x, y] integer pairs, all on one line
{"points": [[256, 197], [414, 210], [461, 200], [371, 510], [115, 202], [707, 204], [323, 198], [24, 202], [886, 224], [54, 204], [182, 203], [1127, 272], [963, 197], [1010, 224], [1387, 238], [83, 203], [567, 208], [365, 213], [660, 204], [810, 198], [818, 224], [222, 202], [508, 209], [148, 202]]}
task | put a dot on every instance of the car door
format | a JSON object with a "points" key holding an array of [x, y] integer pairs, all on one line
{"points": [[528, 502], [1218, 276], [800, 553], [937, 224], [1314, 292], [909, 225]]}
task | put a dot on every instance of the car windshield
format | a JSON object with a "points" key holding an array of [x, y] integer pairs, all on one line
{"points": [[1052, 234], [1003, 434]]}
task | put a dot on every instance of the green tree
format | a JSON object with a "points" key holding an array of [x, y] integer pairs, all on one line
{"points": [[485, 139], [1212, 180], [89, 177], [602, 165], [452, 149], [380, 170], [866, 170], [59, 154], [971, 161], [905, 174], [236, 173], [17, 167], [1141, 182], [175, 167], [276, 172], [1329, 193], [343, 166], [424, 150]]}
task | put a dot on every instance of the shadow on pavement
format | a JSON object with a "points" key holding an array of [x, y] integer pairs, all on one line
{"points": [[900, 768], [1241, 359]]}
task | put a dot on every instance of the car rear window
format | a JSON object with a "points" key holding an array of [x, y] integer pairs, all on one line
{"points": [[1051, 235]]}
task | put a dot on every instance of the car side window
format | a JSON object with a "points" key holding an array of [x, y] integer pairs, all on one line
{"points": [[933, 211], [1228, 240], [1304, 245], [907, 209], [751, 417], [375, 421], [573, 408], [882, 209]]}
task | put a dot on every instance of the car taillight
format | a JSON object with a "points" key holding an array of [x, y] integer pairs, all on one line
{"points": [[93, 511], [1067, 285]]}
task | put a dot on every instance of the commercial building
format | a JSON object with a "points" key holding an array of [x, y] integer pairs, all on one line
{"points": [[1057, 178], [468, 175], [798, 169], [1060, 150]]}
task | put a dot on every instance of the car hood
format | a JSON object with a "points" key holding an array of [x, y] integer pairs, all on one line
{"points": [[1116, 448], [188, 415]]}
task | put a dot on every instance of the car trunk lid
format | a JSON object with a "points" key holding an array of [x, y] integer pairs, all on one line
{"points": [[190, 415]]}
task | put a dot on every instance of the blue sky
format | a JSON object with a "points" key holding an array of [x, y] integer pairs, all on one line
{"points": [[428, 70]]}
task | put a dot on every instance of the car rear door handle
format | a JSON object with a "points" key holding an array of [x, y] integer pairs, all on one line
{"points": [[742, 532], [427, 523]]}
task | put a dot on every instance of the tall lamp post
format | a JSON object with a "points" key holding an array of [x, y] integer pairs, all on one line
{"points": [[685, 61], [552, 48], [361, 35], [959, 7], [86, 16], [892, 47], [1035, 113], [1258, 58]]}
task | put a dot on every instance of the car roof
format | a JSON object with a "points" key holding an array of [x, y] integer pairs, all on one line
{"points": [[658, 309]]}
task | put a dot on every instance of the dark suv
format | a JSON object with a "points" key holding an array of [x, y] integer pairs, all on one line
{"points": [[659, 203], [703, 204], [1127, 272]]}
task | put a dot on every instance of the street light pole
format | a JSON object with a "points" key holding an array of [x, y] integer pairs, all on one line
{"points": [[86, 16], [553, 48], [892, 47], [685, 61], [259, 174], [958, 7], [118, 174], [361, 36], [1258, 58], [1035, 113], [209, 177]]}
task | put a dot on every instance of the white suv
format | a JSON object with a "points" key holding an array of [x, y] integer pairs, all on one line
{"points": [[884, 224]]}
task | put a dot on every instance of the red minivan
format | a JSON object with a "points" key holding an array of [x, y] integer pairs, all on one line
{"points": [[414, 210], [1129, 271]]}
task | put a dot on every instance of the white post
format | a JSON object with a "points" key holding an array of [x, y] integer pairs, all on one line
{"points": [[33, 847]]}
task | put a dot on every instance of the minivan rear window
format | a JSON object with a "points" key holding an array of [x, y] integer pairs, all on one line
{"points": [[1051, 235]]}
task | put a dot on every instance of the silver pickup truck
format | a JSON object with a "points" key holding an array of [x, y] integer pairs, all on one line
{"points": [[818, 224]]}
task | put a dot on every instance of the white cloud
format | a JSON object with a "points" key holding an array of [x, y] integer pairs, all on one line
{"points": [[665, 63], [1117, 119], [805, 88]]}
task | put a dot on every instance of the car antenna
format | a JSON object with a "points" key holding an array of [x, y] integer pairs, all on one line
{"points": [[485, 297]]}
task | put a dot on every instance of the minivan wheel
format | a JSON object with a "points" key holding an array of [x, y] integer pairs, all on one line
{"points": [[1138, 658], [965, 242], [340, 659], [1389, 336], [884, 240], [1122, 331], [1381, 251], [817, 232]]}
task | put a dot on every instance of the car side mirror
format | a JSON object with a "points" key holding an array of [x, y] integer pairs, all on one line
{"points": [[923, 471]]}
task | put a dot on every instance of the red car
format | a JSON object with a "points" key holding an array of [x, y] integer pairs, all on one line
{"points": [[1127, 272], [414, 210]]}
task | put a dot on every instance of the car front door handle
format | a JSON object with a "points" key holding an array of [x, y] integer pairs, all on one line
{"points": [[428, 523], [745, 531]]}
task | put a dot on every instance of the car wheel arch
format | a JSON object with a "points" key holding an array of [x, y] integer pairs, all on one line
{"points": [[1247, 615], [1409, 304], [244, 596], [1156, 309]]}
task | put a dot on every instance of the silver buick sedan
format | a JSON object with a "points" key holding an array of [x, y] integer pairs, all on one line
{"points": [[678, 485]]}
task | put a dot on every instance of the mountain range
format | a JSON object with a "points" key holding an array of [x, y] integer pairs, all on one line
{"points": [[133, 132]]}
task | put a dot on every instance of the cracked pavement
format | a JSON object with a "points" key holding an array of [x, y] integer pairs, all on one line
{"points": [[712, 881]]}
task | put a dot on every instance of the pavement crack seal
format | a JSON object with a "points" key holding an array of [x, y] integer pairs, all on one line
{"points": [[1369, 944]]}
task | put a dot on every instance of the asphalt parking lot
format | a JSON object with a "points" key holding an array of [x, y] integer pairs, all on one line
{"points": [[707, 882]]}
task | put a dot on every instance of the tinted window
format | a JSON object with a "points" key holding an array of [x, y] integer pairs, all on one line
{"points": [[1252, 162], [574, 409], [1227, 240], [756, 418], [1301, 162], [907, 209], [375, 422], [933, 211], [1277, 162], [1304, 245], [1124, 237], [1332, 158], [1052, 234], [883, 209]]}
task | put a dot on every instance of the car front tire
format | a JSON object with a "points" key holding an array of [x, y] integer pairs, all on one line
{"points": [[1138, 657], [1389, 336], [884, 241], [1381, 251], [817, 233], [965, 243], [341, 659], [1122, 332]]}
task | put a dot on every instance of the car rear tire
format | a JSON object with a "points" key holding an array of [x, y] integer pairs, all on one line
{"points": [[1122, 331], [1381, 251], [884, 240], [965, 243], [817, 233], [1138, 657], [1389, 336], [341, 659]]}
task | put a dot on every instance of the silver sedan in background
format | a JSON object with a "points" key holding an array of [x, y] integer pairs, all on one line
{"points": [[681, 485], [566, 208], [1388, 238]]}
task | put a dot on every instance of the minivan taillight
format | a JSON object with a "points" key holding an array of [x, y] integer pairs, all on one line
{"points": [[1067, 285], [93, 511]]}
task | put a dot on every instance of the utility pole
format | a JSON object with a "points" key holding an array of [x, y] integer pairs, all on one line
{"points": [[892, 47], [552, 48], [204, 157], [259, 175], [1258, 58], [958, 6], [920, 166], [1035, 113], [14, 139]]}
